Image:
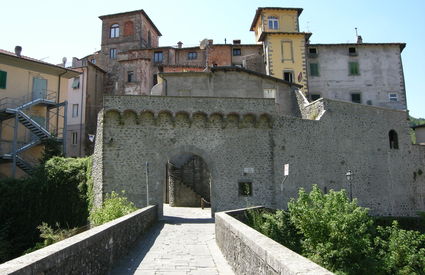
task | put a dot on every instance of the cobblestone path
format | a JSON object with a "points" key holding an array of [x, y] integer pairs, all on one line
{"points": [[183, 242]]}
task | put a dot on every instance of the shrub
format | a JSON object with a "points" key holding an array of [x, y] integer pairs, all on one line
{"points": [[113, 207], [51, 235], [276, 226], [400, 251], [337, 233], [56, 193]]}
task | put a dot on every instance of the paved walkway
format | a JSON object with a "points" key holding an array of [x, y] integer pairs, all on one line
{"points": [[182, 243]]}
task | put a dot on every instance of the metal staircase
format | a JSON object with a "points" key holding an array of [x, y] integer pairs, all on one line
{"points": [[11, 108]]}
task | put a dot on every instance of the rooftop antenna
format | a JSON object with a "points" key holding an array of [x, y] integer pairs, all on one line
{"points": [[357, 35]]}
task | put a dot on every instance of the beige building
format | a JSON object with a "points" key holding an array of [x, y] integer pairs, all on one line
{"points": [[420, 134], [32, 109], [84, 96]]}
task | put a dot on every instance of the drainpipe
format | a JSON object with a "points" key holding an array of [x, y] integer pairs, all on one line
{"points": [[82, 104], [57, 109]]}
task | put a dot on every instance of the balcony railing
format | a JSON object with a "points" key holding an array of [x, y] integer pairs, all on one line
{"points": [[12, 103]]}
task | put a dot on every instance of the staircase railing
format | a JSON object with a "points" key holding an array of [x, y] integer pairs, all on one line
{"points": [[12, 103]]}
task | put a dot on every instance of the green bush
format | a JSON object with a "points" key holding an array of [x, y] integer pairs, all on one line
{"points": [[56, 193], [276, 226], [337, 233], [400, 251], [114, 206], [51, 235]]}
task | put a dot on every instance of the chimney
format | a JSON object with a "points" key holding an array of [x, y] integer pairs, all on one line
{"points": [[210, 41], [359, 39], [236, 42], [179, 44], [18, 50]]}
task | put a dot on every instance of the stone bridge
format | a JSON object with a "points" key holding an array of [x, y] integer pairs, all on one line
{"points": [[183, 241]]}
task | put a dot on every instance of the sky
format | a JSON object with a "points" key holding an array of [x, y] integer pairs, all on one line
{"points": [[50, 30]]}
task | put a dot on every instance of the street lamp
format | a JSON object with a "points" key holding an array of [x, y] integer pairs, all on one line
{"points": [[349, 176]]}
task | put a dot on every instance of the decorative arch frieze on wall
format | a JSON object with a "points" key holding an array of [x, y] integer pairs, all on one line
{"points": [[184, 119]]}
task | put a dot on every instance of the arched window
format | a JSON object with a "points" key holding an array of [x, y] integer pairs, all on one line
{"points": [[115, 31], [273, 23], [128, 28], [392, 135]]}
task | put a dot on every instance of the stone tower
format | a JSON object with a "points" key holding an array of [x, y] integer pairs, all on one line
{"points": [[122, 32]]}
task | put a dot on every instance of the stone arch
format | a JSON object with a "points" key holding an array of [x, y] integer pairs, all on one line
{"points": [[147, 117], [264, 121], [249, 120], [216, 120], [165, 118], [182, 119], [199, 119], [232, 120], [194, 150], [113, 117], [130, 117]]}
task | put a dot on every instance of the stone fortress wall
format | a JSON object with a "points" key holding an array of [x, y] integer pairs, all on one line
{"points": [[231, 134]]}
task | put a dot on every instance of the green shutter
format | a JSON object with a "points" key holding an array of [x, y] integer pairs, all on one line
{"points": [[314, 69], [354, 68], [3, 77]]}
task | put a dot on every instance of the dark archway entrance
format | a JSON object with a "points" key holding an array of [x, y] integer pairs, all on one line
{"points": [[188, 181]]}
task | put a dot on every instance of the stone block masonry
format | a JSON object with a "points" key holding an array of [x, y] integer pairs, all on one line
{"points": [[91, 252], [236, 135], [250, 252]]}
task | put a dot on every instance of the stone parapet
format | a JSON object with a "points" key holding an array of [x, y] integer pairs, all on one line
{"points": [[250, 252], [91, 252]]}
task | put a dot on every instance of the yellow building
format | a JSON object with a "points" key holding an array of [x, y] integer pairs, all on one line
{"points": [[283, 44], [32, 109]]}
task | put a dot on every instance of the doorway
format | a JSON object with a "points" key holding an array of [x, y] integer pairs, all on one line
{"points": [[188, 182]]}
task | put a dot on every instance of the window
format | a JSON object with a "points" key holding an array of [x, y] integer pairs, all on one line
{"points": [[149, 39], [314, 97], [3, 77], [112, 53], [128, 28], [245, 188], [115, 31], [269, 93], [236, 52], [352, 51], [157, 57], [356, 97], [76, 83], [74, 138], [273, 23], [354, 68], [393, 137], [130, 76], [74, 110], [192, 55], [393, 97], [312, 52], [314, 69], [288, 76]]}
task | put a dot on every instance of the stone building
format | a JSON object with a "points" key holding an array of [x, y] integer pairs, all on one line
{"points": [[242, 140]]}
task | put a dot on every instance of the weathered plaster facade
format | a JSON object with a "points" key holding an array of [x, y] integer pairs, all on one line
{"points": [[379, 81]]}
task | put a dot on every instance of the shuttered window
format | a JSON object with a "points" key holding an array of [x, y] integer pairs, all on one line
{"points": [[314, 69], [3, 77]]}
